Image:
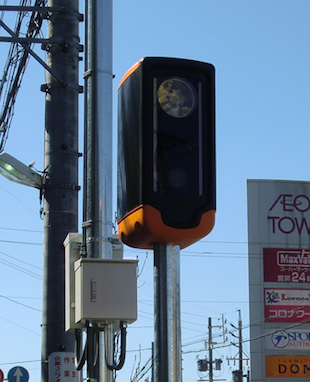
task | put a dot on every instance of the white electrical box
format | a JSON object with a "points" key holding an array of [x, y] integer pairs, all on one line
{"points": [[105, 290], [72, 245]]}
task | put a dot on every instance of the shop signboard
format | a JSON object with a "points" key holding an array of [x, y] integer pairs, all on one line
{"points": [[279, 279], [287, 305], [287, 366], [286, 265], [291, 339]]}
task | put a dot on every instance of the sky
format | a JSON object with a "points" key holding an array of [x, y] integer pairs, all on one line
{"points": [[260, 50]]}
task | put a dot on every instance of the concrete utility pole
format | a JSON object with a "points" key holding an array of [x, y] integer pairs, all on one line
{"points": [[238, 374], [207, 365], [210, 350], [61, 165], [240, 344]]}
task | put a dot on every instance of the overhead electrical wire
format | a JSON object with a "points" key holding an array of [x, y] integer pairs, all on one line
{"points": [[20, 230], [15, 67], [22, 327], [20, 303], [20, 268], [20, 242], [24, 204]]}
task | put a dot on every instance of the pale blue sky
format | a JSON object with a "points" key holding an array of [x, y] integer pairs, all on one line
{"points": [[261, 53]]}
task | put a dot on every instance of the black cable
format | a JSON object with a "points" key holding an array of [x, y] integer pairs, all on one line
{"points": [[122, 356], [79, 359]]}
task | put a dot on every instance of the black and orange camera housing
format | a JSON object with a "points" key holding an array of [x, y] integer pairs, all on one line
{"points": [[166, 152]]}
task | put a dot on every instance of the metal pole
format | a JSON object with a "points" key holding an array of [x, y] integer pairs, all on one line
{"points": [[167, 315], [97, 233], [61, 164], [210, 351]]}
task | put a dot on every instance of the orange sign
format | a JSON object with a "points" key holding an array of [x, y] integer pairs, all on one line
{"points": [[287, 366]]}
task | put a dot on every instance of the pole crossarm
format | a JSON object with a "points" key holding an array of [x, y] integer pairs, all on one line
{"points": [[35, 40], [24, 40], [29, 50], [55, 9]]}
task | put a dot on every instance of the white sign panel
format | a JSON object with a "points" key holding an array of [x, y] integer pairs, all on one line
{"points": [[295, 297], [290, 339], [61, 367], [287, 223], [279, 288]]}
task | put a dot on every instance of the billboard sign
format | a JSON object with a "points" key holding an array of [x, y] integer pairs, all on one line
{"points": [[288, 339], [287, 305], [286, 214], [286, 265], [287, 366], [279, 278]]}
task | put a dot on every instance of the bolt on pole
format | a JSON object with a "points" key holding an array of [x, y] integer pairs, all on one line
{"points": [[61, 164]]}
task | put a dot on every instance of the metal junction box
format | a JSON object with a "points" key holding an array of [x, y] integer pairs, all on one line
{"points": [[72, 245], [105, 290]]}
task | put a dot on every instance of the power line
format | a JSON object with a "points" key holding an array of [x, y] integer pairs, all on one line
{"points": [[20, 362], [22, 327], [20, 269], [20, 261], [15, 66], [24, 204], [20, 242], [20, 230], [20, 303]]}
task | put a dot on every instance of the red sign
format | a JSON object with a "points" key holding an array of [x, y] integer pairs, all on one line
{"points": [[287, 314], [1, 376], [287, 305], [286, 265]]}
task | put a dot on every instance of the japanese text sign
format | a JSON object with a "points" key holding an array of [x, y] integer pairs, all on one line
{"points": [[286, 265], [287, 305]]}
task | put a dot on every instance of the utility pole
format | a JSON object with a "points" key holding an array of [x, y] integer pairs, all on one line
{"points": [[207, 365], [240, 342], [60, 209], [210, 344], [238, 374]]}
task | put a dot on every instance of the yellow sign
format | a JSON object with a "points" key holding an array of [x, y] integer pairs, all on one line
{"points": [[287, 366]]}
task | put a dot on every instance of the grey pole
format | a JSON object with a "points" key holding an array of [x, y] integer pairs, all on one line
{"points": [[240, 347], [97, 216], [167, 317], [210, 350], [61, 163]]}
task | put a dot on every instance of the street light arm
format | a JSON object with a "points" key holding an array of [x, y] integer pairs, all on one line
{"points": [[18, 172]]}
